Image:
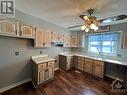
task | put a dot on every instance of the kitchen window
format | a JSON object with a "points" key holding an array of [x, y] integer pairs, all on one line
{"points": [[105, 43]]}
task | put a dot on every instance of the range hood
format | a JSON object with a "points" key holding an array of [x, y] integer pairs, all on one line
{"points": [[57, 43]]}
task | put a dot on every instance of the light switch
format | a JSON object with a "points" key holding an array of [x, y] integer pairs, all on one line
{"points": [[16, 53]]}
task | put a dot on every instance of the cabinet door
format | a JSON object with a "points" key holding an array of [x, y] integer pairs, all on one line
{"points": [[41, 75], [39, 38], [88, 65], [98, 69], [27, 30], [51, 65], [47, 39], [54, 36], [80, 63], [51, 72], [125, 40], [8, 27], [41, 72]]}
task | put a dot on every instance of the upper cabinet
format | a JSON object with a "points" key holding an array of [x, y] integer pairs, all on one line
{"points": [[8, 27], [42, 38], [38, 42], [67, 40], [47, 38], [26, 30], [125, 40]]}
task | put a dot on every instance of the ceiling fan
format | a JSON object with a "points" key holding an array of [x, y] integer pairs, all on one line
{"points": [[91, 22]]}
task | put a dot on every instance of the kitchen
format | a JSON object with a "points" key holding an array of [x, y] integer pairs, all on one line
{"points": [[39, 55]]}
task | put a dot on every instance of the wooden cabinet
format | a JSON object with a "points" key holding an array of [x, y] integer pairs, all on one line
{"points": [[79, 40], [124, 40], [47, 38], [42, 38], [67, 40], [88, 65], [42, 72], [75, 61], [54, 36], [98, 68], [65, 62], [80, 63], [8, 27], [73, 41], [26, 30], [38, 38]]}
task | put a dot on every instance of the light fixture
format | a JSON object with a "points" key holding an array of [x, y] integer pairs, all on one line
{"points": [[83, 27], [90, 22]]}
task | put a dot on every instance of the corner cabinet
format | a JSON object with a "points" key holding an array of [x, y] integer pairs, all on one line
{"points": [[8, 27], [42, 72], [26, 30]]}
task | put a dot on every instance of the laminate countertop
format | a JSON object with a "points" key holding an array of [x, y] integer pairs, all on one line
{"points": [[114, 61], [41, 59]]}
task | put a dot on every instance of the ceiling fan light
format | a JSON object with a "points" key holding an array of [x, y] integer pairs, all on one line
{"points": [[83, 27], [87, 30], [93, 26], [85, 17]]}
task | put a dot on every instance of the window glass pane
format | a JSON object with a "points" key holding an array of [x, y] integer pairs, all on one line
{"points": [[106, 43]]}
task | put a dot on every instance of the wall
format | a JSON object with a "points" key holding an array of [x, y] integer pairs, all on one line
{"points": [[17, 68]]}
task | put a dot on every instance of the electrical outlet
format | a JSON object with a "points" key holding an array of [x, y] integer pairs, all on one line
{"points": [[16, 53], [40, 52]]}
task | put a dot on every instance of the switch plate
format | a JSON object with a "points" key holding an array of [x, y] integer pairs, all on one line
{"points": [[16, 53]]}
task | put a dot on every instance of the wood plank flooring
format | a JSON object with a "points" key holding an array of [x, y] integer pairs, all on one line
{"points": [[72, 82]]}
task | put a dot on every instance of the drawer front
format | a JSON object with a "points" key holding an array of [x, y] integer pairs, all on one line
{"points": [[88, 60], [98, 62], [41, 66], [51, 63]]}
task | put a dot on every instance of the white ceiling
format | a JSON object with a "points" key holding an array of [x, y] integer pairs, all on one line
{"points": [[66, 13]]}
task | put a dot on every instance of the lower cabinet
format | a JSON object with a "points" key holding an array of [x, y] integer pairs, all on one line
{"points": [[98, 68], [65, 62], [88, 66], [80, 65], [91, 66], [42, 72]]}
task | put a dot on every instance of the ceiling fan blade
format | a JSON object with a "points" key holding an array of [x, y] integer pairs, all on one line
{"points": [[74, 26], [82, 16], [115, 18]]}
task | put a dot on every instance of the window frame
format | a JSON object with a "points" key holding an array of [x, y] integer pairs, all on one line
{"points": [[101, 43]]}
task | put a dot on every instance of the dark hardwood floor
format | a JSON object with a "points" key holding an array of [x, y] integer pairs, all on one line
{"points": [[72, 82]]}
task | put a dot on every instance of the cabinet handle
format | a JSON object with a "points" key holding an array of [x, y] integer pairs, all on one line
{"points": [[46, 70], [16, 32], [43, 44], [20, 33]]}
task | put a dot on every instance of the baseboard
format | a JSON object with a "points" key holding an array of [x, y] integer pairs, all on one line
{"points": [[56, 68], [110, 76], [14, 85]]}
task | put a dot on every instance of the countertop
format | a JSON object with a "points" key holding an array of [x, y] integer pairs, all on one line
{"points": [[41, 59], [114, 61]]}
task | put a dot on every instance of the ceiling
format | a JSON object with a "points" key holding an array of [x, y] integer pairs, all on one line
{"points": [[66, 13]]}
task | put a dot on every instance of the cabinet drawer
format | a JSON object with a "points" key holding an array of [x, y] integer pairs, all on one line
{"points": [[88, 60], [96, 62], [51, 63], [41, 66]]}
